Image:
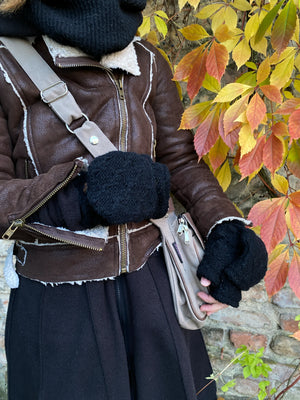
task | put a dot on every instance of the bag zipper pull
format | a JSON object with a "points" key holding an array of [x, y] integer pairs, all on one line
{"points": [[183, 229]]}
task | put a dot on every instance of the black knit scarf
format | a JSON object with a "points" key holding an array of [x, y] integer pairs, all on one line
{"points": [[97, 27]]}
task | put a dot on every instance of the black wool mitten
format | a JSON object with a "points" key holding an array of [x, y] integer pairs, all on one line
{"points": [[127, 187], [235, 258]]}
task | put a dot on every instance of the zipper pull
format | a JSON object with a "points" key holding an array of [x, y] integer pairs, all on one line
{"points": [[121, 89], [183, 229], [12, 229], [180, 229]]}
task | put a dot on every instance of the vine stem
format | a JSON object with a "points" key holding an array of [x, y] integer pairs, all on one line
{"points": [[287, 388], [220, 373]]}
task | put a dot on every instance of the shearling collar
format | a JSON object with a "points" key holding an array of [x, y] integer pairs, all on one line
{"points": [[125, 59]]}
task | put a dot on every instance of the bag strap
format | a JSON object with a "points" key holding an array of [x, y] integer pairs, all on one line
{"points": [[55, 93]]}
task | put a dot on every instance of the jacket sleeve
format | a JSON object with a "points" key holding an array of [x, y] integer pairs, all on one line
{"points": [[192, 183], [19, 197]]}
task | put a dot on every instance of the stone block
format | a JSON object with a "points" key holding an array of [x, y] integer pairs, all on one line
{"points": [[287, 322], [286, 346], [253, 342], [286, 298], [236, 317], [212, 336]]}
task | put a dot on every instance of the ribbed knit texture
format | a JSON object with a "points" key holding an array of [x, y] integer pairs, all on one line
{"points": [[97, 27]]}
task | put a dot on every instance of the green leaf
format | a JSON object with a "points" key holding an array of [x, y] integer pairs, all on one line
{"points": [[284, 27], [212, 84], [251, 65], [228, 385], [248, 78], [273, 391], [266, 22], [161, 14], [161, 25], [246, 372], [297, 318]]}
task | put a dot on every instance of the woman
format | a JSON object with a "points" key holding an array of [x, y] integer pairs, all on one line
{"points": [[92, 316]]}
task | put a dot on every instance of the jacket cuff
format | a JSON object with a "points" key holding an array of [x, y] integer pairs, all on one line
{"points": [[226, 219]]}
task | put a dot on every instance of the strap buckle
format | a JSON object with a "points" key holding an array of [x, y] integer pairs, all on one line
{"points": [[82, 115], [54, 92]]}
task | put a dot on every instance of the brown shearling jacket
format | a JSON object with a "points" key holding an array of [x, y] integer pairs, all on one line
{"points": [[139, 112]]}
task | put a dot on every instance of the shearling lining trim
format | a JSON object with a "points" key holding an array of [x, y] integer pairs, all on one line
{"points": [[125, 59]]}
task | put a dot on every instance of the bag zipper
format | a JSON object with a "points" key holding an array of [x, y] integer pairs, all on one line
{"points": [[21, 222]]}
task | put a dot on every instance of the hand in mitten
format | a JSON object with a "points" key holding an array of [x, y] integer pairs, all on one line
{"points": [[235, 259], [127, 187]]}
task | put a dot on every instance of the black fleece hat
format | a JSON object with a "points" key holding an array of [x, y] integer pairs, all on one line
{"points": [[98, 27]]}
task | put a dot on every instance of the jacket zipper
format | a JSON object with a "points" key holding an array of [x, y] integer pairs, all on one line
{"points": [[119, 83], [21, 222]]}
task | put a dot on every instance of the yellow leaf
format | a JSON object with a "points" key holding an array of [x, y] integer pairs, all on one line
{"points": [[194, 3], [230, 17], [242, 118], [194, 32], [161, 14], [242, 5], [223, 33], [231, 43], [161, 25], [263, 71], [277, 58], [280, 248], [212, 84], [297, 62], [241, 53], [282, 72], [181, 3], [207, 11], [217, 154], [224, 176], [261, 46], [246, 139], [251, 26], [145, 27], [297, 83], [231, 91], [152, 38], [217, 19], [280, 183], [296, 33]]}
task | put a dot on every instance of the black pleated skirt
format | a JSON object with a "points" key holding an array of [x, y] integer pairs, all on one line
{"points": [[110, 340]]}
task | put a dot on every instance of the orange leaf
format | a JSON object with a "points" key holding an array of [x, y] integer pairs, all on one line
{"points": [[217, 154], [272, 93], [293, 159], [253, 160], [233, 113], [186, 64], [273, 153], [293, 211], [284, 27], [294, 274], [288, 107], [280, 129], [194, 115], [232, 137], [217, 60], [294, 125], [261, 211], [197, 75], [296, 335], [256, 111], [274, 228], [277, 273], [206, 134]]}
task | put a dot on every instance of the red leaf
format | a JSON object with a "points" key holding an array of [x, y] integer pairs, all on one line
{"points": [[186, 64], [256, 111], [296, 335], [206, 134], [218, 153], [294, 125], [217, 60], [260, 211], [277, 273], [294, 275], [272, 93], [280, 129], [253, 160], [273, 153], [232, 137], [232, 113], [274, 228], [288, 107], [294, 216], [197, 75]]}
